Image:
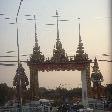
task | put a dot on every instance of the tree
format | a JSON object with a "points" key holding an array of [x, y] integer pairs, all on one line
{"points": [[6, 93], [109, 91]]}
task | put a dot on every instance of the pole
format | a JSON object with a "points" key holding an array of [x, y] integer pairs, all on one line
{"points": [[20, 98]]}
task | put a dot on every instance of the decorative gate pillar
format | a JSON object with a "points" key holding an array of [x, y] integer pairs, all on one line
{"points": [[86, 84], [34, 84], [36, 58], [82, 59], [88, 79], [84, 88]]}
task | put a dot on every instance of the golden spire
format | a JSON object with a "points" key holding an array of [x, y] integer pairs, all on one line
{"points": [[58, 52], [79, 34], [37, 55], [57, 26], [36, 41], [80, 48], [58, 43], [36, 48], [18, 40]]}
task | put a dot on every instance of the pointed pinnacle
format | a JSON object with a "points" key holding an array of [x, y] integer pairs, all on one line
{"points": [[36, 41]]}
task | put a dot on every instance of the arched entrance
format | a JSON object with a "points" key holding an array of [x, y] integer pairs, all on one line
{"points": [[60, 62]]}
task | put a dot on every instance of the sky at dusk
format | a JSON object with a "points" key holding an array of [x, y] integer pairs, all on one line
{"points": [[95, 32]]}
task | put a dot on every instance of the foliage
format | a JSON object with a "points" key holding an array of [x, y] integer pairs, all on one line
{"points": [[59, 95], [6, 93], [109, 91]]}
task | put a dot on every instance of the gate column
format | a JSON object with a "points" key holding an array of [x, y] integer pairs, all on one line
{"points": [[84, 88]]}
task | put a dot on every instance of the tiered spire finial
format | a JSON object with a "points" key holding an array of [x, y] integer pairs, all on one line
{"points": [[58, 52], [79, 34], [80, 55], [58, 43], [36, 56], [57, 26], [36, 40], [80, 49], [96, 75], [95, 67], [18, 45], [36, 47]]}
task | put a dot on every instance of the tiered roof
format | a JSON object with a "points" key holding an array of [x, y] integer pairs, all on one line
{"points": [[59, 60], [80, 55], [58, 51], [37, 55]]}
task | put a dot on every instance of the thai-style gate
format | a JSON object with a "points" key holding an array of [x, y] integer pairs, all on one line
{"points": [[60, 62]]}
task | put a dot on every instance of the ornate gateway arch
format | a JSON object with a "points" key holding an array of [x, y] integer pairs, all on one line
{"points": [[60, 62]]}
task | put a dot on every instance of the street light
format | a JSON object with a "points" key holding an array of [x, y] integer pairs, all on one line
{"points": [[18, 69]]}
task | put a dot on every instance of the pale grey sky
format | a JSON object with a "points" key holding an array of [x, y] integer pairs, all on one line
{"points": [[95, 32]]}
